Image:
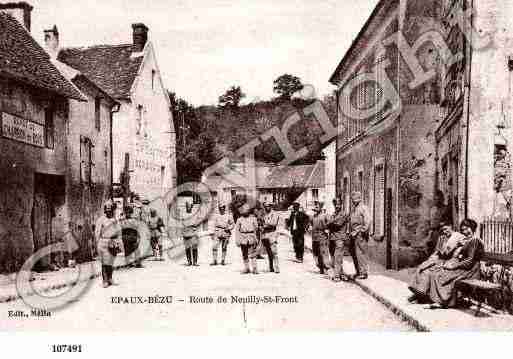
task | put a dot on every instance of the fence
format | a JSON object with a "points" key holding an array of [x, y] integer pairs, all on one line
{"points": [[497, 235]]}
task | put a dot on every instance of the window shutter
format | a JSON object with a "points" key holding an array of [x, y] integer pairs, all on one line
{"points": [[379, 200]]}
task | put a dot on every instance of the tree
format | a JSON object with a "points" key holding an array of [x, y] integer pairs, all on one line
{"points": [[194, 156], [231, 97], [286, 85]]}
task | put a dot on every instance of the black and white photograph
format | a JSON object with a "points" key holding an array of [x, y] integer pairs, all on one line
{"points": [[224, 167]]}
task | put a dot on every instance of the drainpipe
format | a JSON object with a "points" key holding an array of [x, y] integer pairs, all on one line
{"points": [[468, 108], [115, 109]]}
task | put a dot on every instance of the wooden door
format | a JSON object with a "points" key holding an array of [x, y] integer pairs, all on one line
{"points": [[42, 224]]}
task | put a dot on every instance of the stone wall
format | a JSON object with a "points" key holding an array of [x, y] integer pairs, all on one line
{"points": [[364, 155], [417, 177], [85, 201], [18, 164]]}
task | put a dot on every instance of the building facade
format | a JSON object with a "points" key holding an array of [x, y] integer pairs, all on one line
{"points": [[89, 151], [34, 111], [450, 74], [143, 127], [389, 155]]}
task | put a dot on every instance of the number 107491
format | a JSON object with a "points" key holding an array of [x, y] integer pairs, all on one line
{"points": [[63, 348]]}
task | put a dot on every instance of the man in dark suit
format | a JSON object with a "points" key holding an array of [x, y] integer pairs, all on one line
{"points": [[297, 224]]}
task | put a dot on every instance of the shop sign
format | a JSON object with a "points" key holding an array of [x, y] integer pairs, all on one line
{"points": [[20, 129]]}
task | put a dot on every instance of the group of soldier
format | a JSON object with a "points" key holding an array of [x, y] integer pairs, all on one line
{"points": [[253, 230], [333, 235], [123, 231]]}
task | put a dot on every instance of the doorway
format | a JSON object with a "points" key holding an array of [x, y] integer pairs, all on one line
{"points": [[49, 193]]}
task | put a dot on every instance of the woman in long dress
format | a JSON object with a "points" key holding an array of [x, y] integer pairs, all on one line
{"points": [[465, 264], [448, 242]]}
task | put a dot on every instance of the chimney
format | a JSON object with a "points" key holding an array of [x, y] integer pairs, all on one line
{"points": [[52, 41], [20, 11], [140, 36]]}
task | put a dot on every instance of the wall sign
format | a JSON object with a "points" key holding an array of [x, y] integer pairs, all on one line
{"points": [[20, 129]]}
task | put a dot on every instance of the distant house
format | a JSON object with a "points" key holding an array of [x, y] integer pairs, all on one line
{"points": [[281, 185], [34, 116], [143, 126], [302, 183]]}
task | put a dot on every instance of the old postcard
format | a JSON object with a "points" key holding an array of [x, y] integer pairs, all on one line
{"points": [[232, 167]]}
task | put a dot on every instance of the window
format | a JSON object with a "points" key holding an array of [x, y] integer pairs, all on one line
{"points": [[162, 175], [359, 184], [97, 113], [315, 194], [86, 160], [381, 74], [49, 127], [139, 119], [379, 200], [233, 193]]}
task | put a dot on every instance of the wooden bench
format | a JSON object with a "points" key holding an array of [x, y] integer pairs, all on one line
{"points": [[480, 290]]}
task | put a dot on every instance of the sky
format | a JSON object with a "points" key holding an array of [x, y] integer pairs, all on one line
{"points": [[205, 46]]}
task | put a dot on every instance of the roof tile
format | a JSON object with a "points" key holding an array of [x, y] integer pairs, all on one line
{"points": [[23, 59], [111, 67]]}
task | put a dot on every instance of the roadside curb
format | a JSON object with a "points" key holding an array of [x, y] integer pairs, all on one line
{"points": [[70, 283], [401, 314], [405, 317]]}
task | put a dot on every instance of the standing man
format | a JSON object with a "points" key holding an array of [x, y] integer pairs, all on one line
{"points": [[131, 237], [339, 233], [157, 228], [320, 238], [246, 238], [223, 225], [145, 211], [107, 233], [359, 234], [269, 236], [190, 240], [332, 243], [297, 223]]}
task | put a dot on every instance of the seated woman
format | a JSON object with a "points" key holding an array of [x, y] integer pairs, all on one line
{"points": [[465, 264], [448, 242]]}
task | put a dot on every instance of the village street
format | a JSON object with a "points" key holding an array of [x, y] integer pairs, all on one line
{"points": [[310, 301]]}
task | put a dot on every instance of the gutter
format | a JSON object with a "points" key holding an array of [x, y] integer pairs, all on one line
{"points": [[115, 109]]}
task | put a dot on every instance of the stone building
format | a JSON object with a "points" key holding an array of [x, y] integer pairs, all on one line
{"points": [[389, 153], [143, 126], [34, 115], [476, 134], [89, 151], [450, 64]]}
